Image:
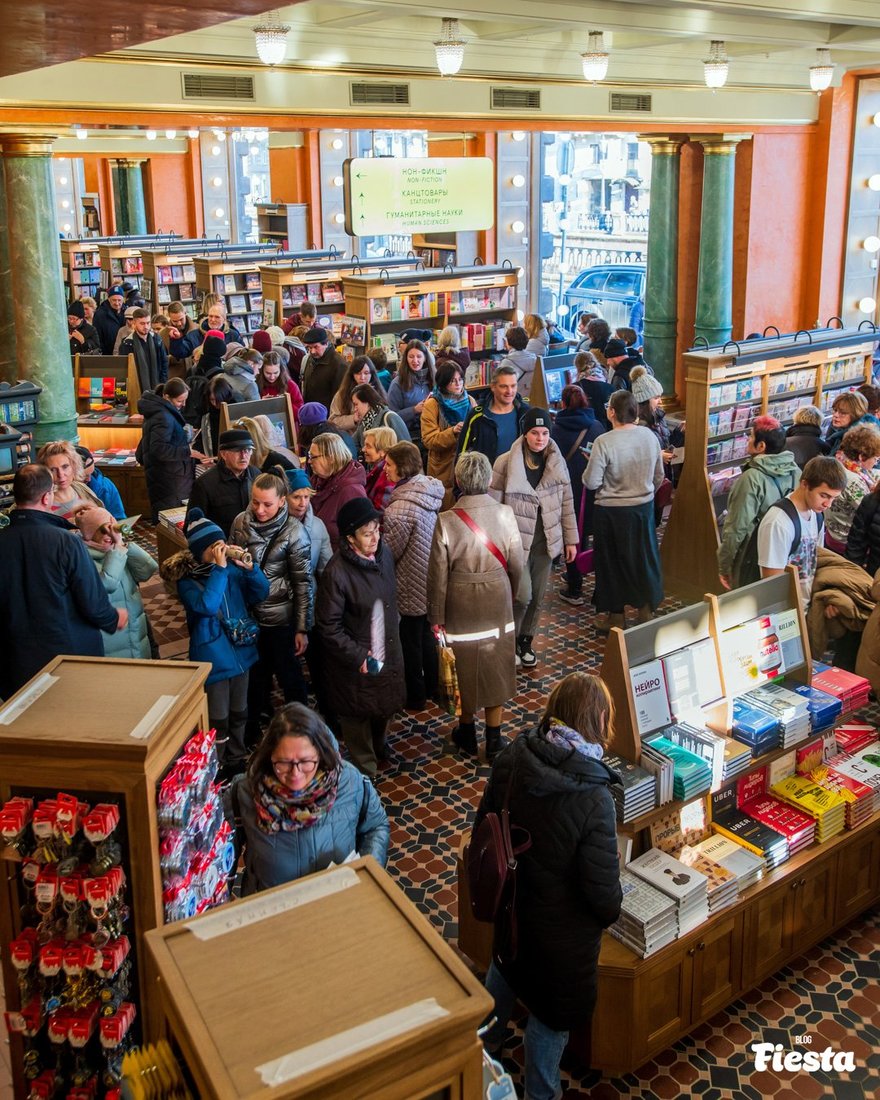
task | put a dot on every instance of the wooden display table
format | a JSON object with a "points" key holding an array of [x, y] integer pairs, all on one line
{"points": [[168, 542], [339, 988], [104, 730]]}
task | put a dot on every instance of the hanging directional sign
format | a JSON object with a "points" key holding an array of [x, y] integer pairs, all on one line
{"points": [[386, 195]]}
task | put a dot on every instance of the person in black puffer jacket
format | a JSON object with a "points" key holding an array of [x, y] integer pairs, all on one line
{"points": [[568, 881], [164, 450], [804, 437], [863, 541]]}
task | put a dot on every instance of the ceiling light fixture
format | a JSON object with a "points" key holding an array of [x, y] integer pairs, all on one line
{"points": [[822, 72], [171, 134], [150, 135], [81, 133], [518, 135], [271, 39], [192, 134], [716, 65], [595, 60], [450, 49]]}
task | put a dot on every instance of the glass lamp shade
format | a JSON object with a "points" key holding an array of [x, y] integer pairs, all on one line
{"points": [[450, 49], [271, 40], [822, 72], [716, 66], [595, 60]]}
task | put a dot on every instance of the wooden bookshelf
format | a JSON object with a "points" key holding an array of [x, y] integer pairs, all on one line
{"points": [[431, 299], [284, 224], [80, 269], [738, 382]]}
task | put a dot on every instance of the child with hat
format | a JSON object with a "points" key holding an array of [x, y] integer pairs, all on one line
{"points": [[217, 592]]}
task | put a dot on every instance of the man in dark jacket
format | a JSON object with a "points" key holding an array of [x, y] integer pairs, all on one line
{"points": [[84, 339], [323, 368], [621, 362], [495, 425], [150, 356], [181, 337], [225, 490], [109, 318], [51, 598]]}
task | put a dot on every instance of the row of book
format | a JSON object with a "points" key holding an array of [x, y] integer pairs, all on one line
{"points": [[246, 322], [172, 518], [408, 307], [792, 380], [184, 292], [728, 450], [115, 456], [728, 393], [735, 418], [769, 717], [311, 292], [175, 273], [722, 481], [102, 393], [89, 275], [126, 265], [234, 284], [85, 259], [843, 370]]}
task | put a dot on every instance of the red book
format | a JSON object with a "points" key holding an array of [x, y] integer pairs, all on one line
{"points": [[808, 757], [750, 787], [796, 826]]}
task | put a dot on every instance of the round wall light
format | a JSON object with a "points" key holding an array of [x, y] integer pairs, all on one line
{"points": [[518, 181], [867, 305], [874, 181], [219, 212], [871, 244], [517, 226]]}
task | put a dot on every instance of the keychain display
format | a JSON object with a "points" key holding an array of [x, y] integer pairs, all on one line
{"points": [[196, 853], [151, 1072], [72, 958]]}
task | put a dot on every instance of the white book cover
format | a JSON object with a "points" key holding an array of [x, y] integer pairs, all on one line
{"points": [[669, 875], [641, 901], [648, 683], [731, 855], [788, 631], [706, 670]]}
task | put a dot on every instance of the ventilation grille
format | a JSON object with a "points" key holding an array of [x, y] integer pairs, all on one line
{"points": [[631, 102], [217, 86], [366, 95], [516, 99]]}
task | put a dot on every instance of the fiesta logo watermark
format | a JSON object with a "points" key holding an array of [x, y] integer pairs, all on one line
{"points": [[774, 1056]]}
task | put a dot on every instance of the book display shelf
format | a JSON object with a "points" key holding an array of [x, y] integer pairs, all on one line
{"points": [[727, 387], [80, 269], [805, 860], [283, 224], [84, 748], [481, 300], [401, 1032], [169, 272], [287, 284]]}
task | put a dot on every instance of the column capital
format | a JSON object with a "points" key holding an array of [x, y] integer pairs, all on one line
{"points": [[720, 144], [663, 144], [30, 144]]}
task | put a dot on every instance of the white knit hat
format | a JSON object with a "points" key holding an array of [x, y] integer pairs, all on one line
{"points": [[644, 386]]}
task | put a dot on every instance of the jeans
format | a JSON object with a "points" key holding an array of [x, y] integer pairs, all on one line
{"points": [[227, 713], [419, 659], [532, 586], [544, 1047]]}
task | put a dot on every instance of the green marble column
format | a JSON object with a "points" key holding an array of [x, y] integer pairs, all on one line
{"points": [[714, 315], [39, 303], [128, 197], [8, 366], [661, 284]]}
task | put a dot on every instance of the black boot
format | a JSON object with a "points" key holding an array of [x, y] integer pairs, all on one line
{"points": [[465, 738], [494, 742]]}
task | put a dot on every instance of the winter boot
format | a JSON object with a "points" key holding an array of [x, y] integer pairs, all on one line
{"points": [[465, 738]]}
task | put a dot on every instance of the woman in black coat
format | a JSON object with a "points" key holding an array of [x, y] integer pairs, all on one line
{"points": [[574, 428], [804, 437], [164, 450], [357, 619], [863, 541], [568, 881]]}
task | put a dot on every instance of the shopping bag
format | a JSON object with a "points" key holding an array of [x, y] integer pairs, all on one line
{"points": [[449, 696], [583, 561]]}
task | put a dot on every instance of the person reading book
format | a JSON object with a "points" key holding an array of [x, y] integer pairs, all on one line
{"points": [[793, 529]]}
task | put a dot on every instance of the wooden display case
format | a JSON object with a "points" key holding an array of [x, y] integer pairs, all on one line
{"points": [[395, 1032], [735, 383], [432, 299], [278, 409], [284, 224], [645, 1005], [105, 730], [80, 268]]}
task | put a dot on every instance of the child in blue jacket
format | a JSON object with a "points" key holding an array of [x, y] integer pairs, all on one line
{"points": [[217, 594]]}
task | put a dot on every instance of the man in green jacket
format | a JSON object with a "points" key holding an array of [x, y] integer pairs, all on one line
{"points": [[769, 473]]}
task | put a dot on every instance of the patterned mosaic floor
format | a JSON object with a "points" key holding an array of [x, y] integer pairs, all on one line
{"points": [[832, 993]]}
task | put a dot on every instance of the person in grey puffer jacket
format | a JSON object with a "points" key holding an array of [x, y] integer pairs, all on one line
{"points": [[242, 374], [408, 529], [274, 540], [302, 807]]}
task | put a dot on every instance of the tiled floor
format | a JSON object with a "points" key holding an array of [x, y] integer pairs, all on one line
{"points": [[831, 994]]}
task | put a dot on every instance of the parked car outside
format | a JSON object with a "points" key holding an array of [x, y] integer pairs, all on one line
{"points": [[611, 290]]}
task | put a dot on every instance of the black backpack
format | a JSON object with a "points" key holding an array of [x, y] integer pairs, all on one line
{"points": [[751, 554]]}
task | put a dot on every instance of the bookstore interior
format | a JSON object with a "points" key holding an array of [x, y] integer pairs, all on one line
{"points": [[732, 227]]}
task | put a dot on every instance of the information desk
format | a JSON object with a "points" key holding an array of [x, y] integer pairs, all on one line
{"points": [[340, 988]]}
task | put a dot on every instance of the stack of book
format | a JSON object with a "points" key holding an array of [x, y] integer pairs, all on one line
{"points": [[824, 709], [854, 736], [798, 828], [858, 796], [637, 794], [702, 743], [827, 807], [866, 771], [661, 767], [754, 727], [648, 918], [737, 759], [790, 709], [738, 860], [685, 885], [172, 518], [729, 820], [722, 887], [691, 776], [850, 689]]}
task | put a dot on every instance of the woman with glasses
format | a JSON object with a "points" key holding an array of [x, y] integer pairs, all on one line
{"points": [[302, 806]]}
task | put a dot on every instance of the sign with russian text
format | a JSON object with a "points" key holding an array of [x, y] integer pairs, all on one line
{"points": [[386, 195]]}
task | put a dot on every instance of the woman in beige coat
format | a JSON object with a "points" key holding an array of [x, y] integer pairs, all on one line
{"points": [[532, 477], [470, 596]]}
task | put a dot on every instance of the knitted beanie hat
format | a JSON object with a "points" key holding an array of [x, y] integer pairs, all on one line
{"points": [[644, 387], [201, 533]]}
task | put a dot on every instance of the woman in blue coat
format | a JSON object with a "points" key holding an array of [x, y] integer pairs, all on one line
{"points": [[303, 807], [218, 593]]}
